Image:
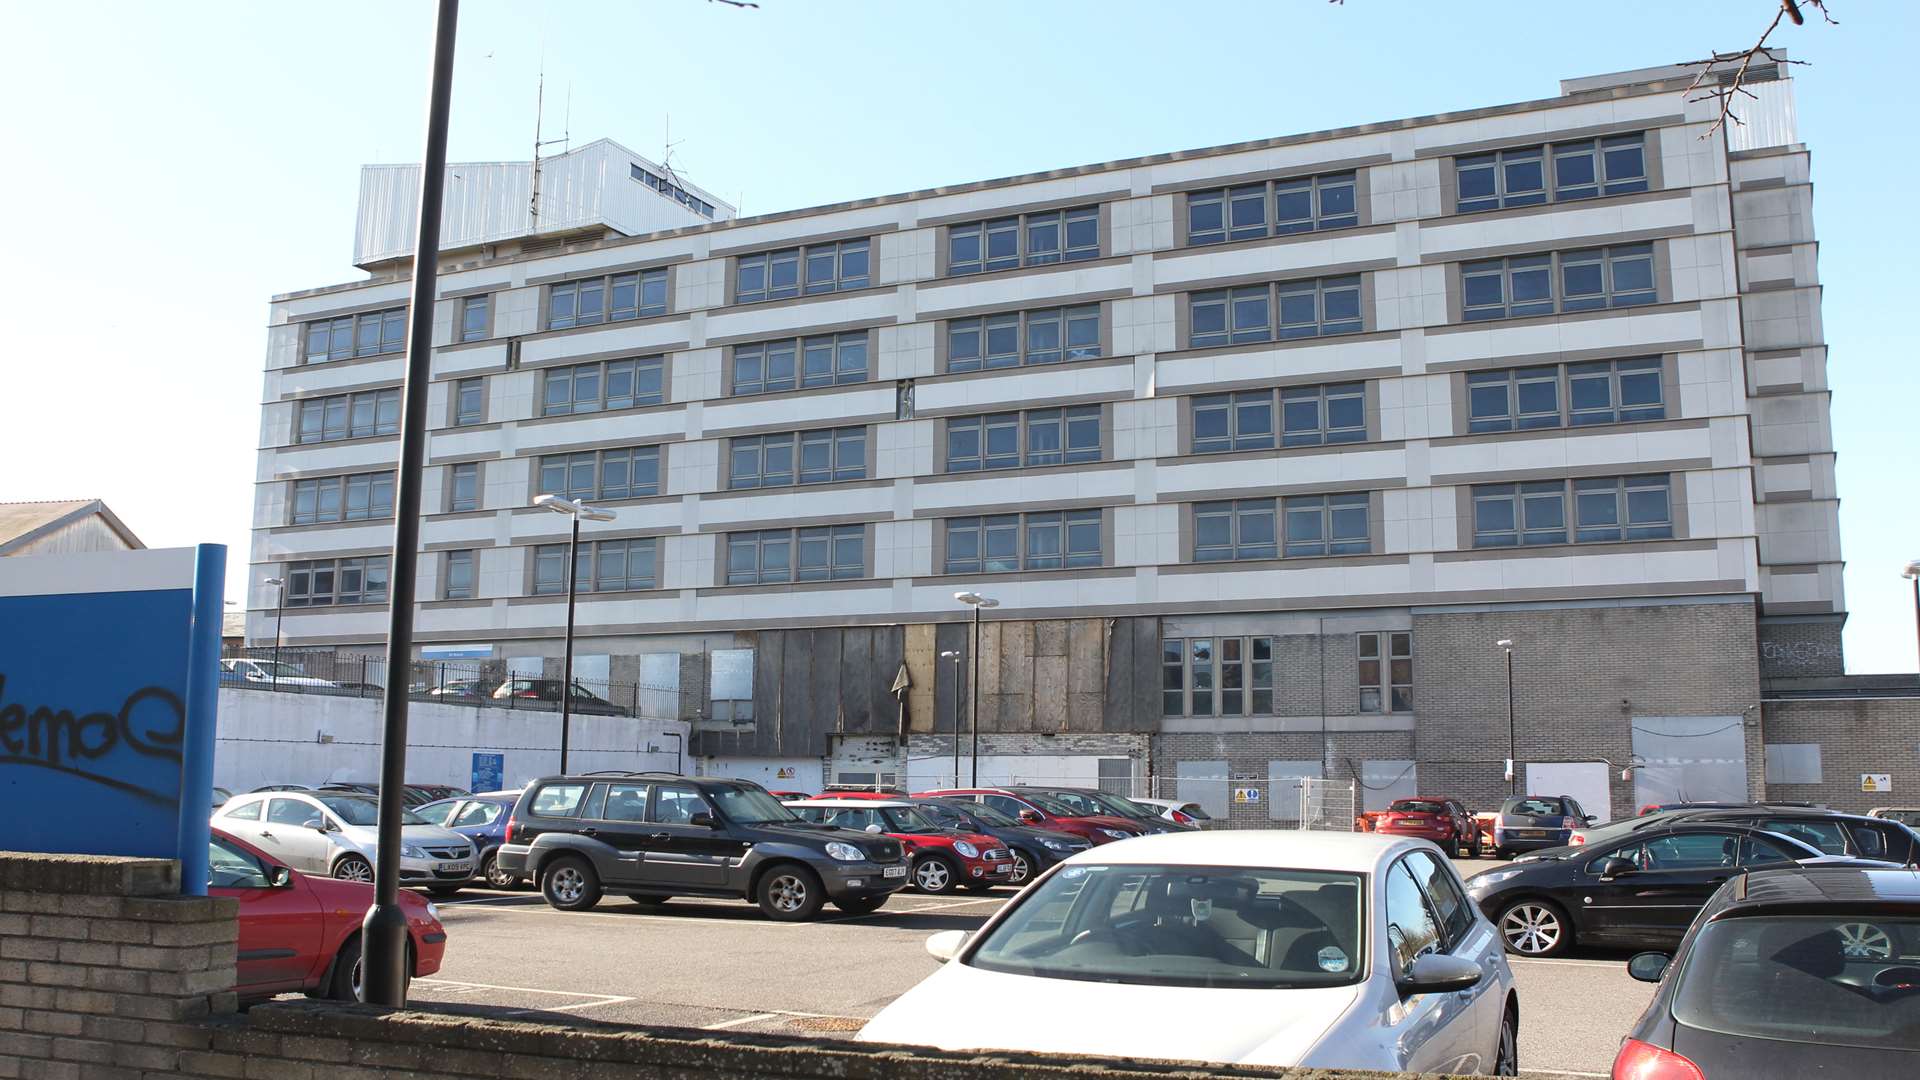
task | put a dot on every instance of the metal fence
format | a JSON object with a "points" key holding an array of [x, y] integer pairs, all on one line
{"points": [[481, 683]]}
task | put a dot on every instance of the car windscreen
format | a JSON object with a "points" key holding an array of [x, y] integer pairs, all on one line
{"points": [[1119, 807], [1842, 980], [1050, 805], [1161, 925], [1425, 806], [1533, 807], [990, 816], [908, 819], [750, 806], [365, 811], [1195, 811]]}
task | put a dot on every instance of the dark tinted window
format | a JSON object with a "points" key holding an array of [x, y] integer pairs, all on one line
{"points": [[1535, 807], [1828, 836], [1683, 851], [476, 814], [1877, 842], [624, 802], [1418, 806], [1759, 851], [676, 805], [1804, 979]]}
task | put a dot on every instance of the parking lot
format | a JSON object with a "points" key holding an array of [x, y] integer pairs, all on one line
{"points": [[720, 965]]}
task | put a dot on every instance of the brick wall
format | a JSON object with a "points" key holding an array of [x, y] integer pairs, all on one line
{"points": [[1855, 737]]}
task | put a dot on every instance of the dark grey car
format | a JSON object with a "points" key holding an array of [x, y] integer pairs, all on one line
{"points": [[654, 836], [1530, 822]]}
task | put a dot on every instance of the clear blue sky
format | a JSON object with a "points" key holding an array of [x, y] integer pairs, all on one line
{"points": [[172, 166]]}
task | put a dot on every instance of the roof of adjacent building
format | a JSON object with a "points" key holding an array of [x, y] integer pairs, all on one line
{"points": [[22, 523]]}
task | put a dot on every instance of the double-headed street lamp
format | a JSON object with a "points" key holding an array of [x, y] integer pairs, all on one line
{"points": [[576, 510], [279, 607], [1912, 573], [975, 601], [1513, 766]]}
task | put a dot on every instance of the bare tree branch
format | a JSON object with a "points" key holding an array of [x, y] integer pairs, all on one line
{"points": [[1713, 69]]}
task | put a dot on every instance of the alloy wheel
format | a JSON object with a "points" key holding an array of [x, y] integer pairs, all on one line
{"points": [[788, 892], [1509, 1052], [353, 870], [1864, 941], [568, 883], [496, 876], [1531, 929], [1022, 869], [931, 875]]}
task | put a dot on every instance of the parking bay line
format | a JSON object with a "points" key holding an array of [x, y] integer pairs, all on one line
{"points": [[741, 1021], [600, 999]]}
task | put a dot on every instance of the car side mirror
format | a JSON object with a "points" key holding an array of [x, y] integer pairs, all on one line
{"points": [[317, 824], [280, 877], [946, 944], [703, 819], [873, 828], [1590, 819], [1030, 817], [1649, 966], [1614, 866], [1438, 973]]}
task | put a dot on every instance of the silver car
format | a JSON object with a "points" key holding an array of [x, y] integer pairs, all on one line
{"points": [[334, 834]]}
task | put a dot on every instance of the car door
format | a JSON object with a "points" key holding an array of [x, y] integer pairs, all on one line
{"points": [[615, 814], [1473, 1016], [280, 927], [286, 833], [681, 854], [1674, 874], [1433, 1032]]}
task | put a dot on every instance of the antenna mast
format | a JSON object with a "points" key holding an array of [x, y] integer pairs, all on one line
{"points": [[539, 103]]}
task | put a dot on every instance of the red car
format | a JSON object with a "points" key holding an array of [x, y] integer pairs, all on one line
{"points": [[1044, 812], [301, 933], [1432, 817], [941, 860]]}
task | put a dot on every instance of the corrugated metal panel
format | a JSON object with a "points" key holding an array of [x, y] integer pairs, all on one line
{"points": [[1767, 118]]}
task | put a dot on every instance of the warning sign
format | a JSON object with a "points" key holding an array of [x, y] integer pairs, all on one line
{"points": [[1246, 794], [1876, 781], [785, 772]]}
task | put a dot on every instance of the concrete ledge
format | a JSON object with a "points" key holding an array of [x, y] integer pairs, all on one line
{"points": [[95, 875]]}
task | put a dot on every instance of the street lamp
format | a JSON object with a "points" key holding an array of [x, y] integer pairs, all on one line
{"points": [[1513, 767], [975, 601], [954, 709], [576, 510], [279, 607], [1912, 573]]}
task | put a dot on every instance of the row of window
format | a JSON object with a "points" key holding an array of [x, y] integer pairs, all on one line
{"points": [[834, 266], [1233, 676], [671, 190], [1605, 510], [1017, 338], [1566, 395], [1037, 239], [1272, 208], [1580, 169], [359, 497], [628, 473], [823, 360], [370, 333], [326, 582], [1305, 309], [1309, 416], [1249, 528], [1560, 281], [1048, 540], [348, 416], [590, 301], [824, 456], [1036, 437], [771, 556]]}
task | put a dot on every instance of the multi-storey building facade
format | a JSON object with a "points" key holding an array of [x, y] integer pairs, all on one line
{"points": [[1261, 448]]}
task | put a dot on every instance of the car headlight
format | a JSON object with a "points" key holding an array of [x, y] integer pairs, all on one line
{"points": [[1491, 877], [845, 852], [411, 852], [966, 850], [1116, 833], [1057, 845]]}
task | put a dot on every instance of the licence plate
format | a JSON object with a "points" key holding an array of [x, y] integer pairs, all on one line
{"points": [[452, 866], [894, 871], [1525, 834]]}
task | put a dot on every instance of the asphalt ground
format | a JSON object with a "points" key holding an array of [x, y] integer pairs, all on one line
{"points": [[720, 965]]}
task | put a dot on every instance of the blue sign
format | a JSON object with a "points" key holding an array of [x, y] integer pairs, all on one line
{"points": [[108, 687], [488, 771], [455, 652]]}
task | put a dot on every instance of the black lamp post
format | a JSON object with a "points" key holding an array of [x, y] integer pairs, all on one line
{"points": [[1513, 765], [576, 510], [954, 709], [975, 601], [279, 607]]}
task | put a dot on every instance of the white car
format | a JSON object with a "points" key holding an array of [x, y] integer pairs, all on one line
{"points": [[271, 673], [1328, 950], [1180, 811], [335, 834]]}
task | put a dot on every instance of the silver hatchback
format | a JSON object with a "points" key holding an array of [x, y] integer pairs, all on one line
{"points": [[336, 835]]}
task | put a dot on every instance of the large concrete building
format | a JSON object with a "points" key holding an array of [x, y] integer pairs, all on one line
{"points": [[1261, 448]]}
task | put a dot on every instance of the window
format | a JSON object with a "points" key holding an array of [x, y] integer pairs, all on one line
{"points": [[245, 812], [776, 275], [1604, 392], [456, 581], [676, 805], [1613, 165], [1037, 437], [1015, 338], [1244, 529], [1242, 421], [1411, 929], [476, 814], [370, 333], [1304, 309], [474, 323], [613, 298], [292, 812], [1173, 678], [349, 416], [1050, 236], [669, 189], [602, 474], [826, 360], [1327, 525], [1449, 904], [1606, 509], [1274, 208], [760, 461], [614, 384], [1509, 515], [463, 492], [469, 401], [604, 566], [359, 497], [1681, 851], [836, 553], [1585, 280], [1040, 541], [1386, 671], [1246, 676], [328, 582], [1316, 415], [558, 800]]}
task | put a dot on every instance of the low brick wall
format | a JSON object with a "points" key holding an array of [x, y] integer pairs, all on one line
{"points": [[106, 973]]}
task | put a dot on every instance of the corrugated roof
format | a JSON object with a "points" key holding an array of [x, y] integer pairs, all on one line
{"points": [[21, 523]]}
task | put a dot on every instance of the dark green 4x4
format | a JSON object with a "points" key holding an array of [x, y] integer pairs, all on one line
{"points": [[654, 836]]}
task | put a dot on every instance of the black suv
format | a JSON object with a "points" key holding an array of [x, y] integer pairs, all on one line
{"points": [[654, 836]]}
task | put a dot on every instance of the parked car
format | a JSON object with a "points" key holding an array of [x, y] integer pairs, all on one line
{"points": [[546, 692], [1638, 890], [239, 671], [1180, 811], [280, 787], [220, 797], [334, 833], [301, 933], [1040, 811], [1785, 974], [1321, 950], [790, 796], [940, 859], [1905, 815], [1530, 822], [441, 791], [412, 796], [458, 692], [1684, 804], [1831, 832], [483, 820], [1034, 850], [654, 836], [1093, 802], [1437, 818]]}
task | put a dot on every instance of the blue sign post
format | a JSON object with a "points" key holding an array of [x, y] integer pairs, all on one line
{"points": [[488, 771], [108, 688]]}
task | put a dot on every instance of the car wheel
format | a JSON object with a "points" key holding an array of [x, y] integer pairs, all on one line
{"points": [[354, 868], [1534, 928], [443, 892], [935, 875], [1506, 1061], [496, 877], [860, 905], [349, 973], [1022, 868], [790, 893], [570, 884]]}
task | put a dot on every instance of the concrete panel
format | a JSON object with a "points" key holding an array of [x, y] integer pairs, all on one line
{"points": [[1050, 693]]}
